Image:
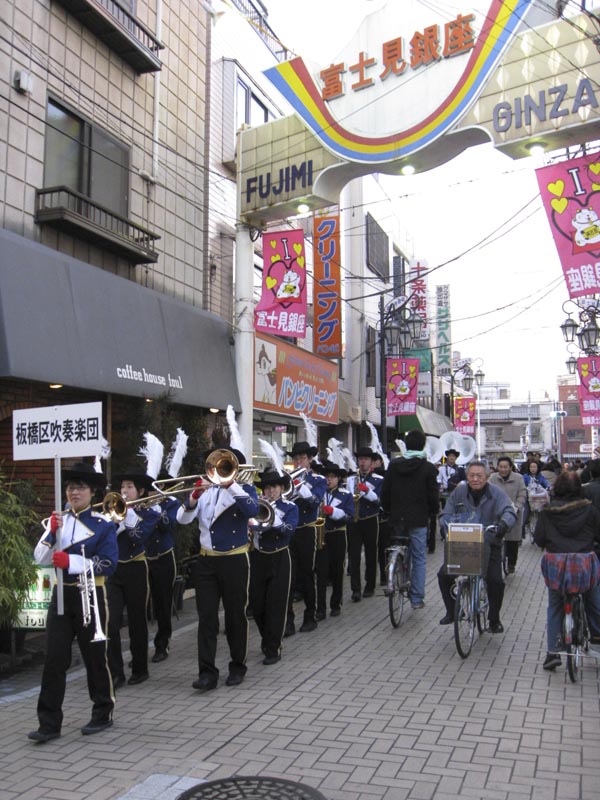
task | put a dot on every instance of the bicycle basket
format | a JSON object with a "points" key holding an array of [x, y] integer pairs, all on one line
{"points": [[464, 551], [570, 573], [537, 496]]}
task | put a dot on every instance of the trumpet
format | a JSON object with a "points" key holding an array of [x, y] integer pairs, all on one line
{"points": [[89, 598], [266, 514], [296, 475]]}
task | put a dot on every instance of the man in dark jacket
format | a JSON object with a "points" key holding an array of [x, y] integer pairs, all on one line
{"points": [[410, 495], [591, 490]]}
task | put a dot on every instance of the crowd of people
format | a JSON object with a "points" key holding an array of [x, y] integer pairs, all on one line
{"points": [[272, 541]]}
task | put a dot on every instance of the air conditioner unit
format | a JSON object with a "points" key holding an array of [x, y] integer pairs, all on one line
{"points": [[356, 413]]}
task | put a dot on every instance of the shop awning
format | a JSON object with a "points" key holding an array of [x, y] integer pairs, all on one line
{"points": [[65, 321]]}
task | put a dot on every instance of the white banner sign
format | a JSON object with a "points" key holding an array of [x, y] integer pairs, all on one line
{"points": [[57, 432], [35, 608]]}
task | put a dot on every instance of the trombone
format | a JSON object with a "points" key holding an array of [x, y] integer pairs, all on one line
{"points": [[222, 468]]}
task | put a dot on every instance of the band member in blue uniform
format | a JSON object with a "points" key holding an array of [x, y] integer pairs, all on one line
{"points": [[222, 572], [84, 533], [363, 529], [128, 587], [337, 508], [270, 564], [303, 547], [163, 571]]}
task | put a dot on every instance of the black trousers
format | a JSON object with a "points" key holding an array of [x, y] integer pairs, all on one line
{"points": [[128, 588], [60, 632], [493, 579], [162, 580], [222, 578], [363, 533], [270, 576], [512, 552], [303, 550], [330, 563]]}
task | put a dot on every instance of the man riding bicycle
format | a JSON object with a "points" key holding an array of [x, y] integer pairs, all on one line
{"points": [[478, 501]]}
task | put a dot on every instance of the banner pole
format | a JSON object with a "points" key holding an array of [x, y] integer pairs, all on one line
{"points": [[60, 602]]}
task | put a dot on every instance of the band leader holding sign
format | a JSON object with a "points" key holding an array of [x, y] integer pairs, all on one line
{"points": [[86, 535]]}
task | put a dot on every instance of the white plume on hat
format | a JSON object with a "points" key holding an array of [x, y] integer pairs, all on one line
{"points": [[104, 454], [177, 453], [312, 435], [351, 465], [274, 453], [235, 438], [153, 453], [336, 453], [401, 446], [375, 444]]}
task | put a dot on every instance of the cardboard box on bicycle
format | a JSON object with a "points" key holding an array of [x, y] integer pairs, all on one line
{"points": [[464, 552]]}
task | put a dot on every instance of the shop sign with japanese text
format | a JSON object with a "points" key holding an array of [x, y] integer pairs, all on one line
{"points": [[290, 380], [401, 386], [282, 306], [464, 415], [327, 302], [69, 431], [444, 334], [588, 369]]}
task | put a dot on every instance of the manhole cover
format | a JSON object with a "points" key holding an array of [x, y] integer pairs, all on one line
{"points": [[241, 788]]}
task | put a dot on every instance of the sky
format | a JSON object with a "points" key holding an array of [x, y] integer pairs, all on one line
{"points": [[476, 221]]}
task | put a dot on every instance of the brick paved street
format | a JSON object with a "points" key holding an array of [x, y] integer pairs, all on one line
{"points": [[355, 709]]}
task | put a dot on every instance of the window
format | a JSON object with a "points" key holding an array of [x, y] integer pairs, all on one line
{"points": [[250, 110], [85, 159], [572, 409], [378, 249], [576, 435], [371, 356]]}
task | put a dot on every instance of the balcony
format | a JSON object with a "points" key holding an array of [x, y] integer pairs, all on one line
{"points": [[76, 214], [119, 30]]}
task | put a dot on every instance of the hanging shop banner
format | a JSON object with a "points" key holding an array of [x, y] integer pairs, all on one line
{"points": [[464, 415], [57, 432], [282, 307], [290, 380], [327, 330], [444, 334], [402, 383], [417, 289], [570, 192], [588, 369]]}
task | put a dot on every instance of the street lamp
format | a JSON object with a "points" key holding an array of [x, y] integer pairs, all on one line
{"points": [[466, 383], [479, 378], [399, 327], [586, 331]]}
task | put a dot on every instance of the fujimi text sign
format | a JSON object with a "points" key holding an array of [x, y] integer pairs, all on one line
{"points": [[69, 431]]}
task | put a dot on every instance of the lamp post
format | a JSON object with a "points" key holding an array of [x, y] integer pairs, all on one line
{"points": [[399, 326], [479, 378]]}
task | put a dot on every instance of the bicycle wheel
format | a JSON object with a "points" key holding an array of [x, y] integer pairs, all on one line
{"points": [[464, 618], [483, 606], [531, 523], [396, 597], [569, 644], [504, 559]]}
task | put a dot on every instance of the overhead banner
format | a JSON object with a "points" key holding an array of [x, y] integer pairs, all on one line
{"points": [[444, 334], [588, 369], [327, 304], [69, 431], [570, 191], [282, 307], [402, 383], [464, 415], [290, 380], [417, 289]]}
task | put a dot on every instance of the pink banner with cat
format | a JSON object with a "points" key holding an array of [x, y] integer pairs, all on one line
{"points": [[402, 381], [570, 192], [588, 369], [282, 307]]}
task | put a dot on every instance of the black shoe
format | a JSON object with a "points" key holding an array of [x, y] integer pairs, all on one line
{"points": [[95, 726], [335, 612], [511, 569], [356, 597], [368, 593], [268, 660], [205, 683], [137, 677], [320, 615], [41, 737], [118, 681], [234, 679], [552, 661], [447, 620], [297, 597], [308, 625], [496, 627], [160, 655], [290, 630], [382, 580]]}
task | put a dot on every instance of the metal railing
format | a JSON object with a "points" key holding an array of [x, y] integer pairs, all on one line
{"points": [[131, 24], [257, 14]]}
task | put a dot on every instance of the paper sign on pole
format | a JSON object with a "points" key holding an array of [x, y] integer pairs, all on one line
{"points": [[57, 432]]}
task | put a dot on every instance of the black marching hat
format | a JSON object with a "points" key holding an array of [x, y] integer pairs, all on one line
{"points": [[301, 448], [366, 452], [452, 452], [86, 474], [333, 468], [136, 474], [270, 477]]}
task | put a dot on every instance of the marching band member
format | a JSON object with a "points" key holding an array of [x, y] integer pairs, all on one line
{"points": [[303, 547], [337, 508], [128, 586], [270, 564], [363, 529], [82, 530], [222, 572]]}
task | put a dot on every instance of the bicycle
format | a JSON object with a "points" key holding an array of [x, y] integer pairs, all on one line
{"points": [[398, 574], [572, 574], [471, 609]]}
